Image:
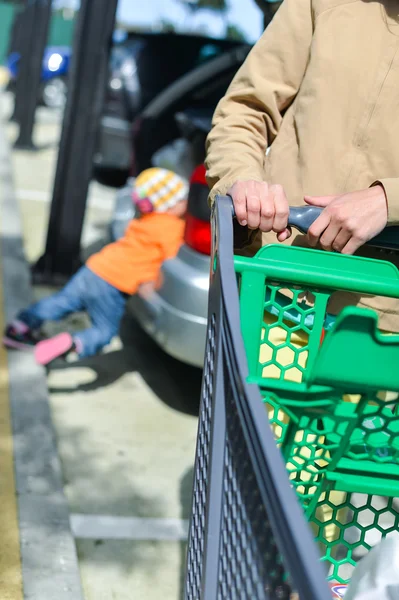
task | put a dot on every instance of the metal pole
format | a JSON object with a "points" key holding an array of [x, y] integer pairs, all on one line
{"points": [[36, 20], [16, 33], [87, 84]]}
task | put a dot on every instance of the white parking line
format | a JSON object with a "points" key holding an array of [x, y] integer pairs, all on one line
{"points": [[106, 527]]}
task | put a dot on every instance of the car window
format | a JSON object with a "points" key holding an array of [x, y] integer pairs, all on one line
{"points": [[199, 89], [165, 59], [212, 91], [207, 52], [202, 87]]}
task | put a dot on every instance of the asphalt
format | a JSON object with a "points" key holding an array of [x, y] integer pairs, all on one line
{"points": [[103, 449]]}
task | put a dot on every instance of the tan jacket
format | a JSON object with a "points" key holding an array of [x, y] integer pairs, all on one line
{"points": [[321, 87]]}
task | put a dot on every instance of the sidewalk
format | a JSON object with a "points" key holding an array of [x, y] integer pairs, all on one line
{"points": [[38, 559], [125, 425]]}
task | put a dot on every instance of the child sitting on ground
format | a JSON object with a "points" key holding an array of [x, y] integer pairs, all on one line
{"points": [[103, 285]]}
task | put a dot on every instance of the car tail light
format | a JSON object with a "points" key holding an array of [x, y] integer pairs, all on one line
{"points": [[198, 228], [198, 234]]}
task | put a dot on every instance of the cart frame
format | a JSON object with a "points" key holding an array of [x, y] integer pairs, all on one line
{"points": [[248, 537]]}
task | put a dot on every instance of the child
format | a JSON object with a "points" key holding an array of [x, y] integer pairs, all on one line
{"points": [[109, 277]]}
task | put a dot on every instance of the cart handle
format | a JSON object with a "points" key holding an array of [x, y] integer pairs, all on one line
{"points": [[302, 217]]}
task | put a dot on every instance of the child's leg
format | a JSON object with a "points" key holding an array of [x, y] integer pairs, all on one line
{"points": [[105, 306], [85, 343], [106, 309], [23, 332], [92, 340], [53, 308]]}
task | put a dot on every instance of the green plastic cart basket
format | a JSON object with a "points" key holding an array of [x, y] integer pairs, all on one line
{"points": [[330, 385]]}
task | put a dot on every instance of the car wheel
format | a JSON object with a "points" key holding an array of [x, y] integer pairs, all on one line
{"points": [[54, 92]]}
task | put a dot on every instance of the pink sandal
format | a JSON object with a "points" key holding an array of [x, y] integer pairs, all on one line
{"points": [[55, 347]]}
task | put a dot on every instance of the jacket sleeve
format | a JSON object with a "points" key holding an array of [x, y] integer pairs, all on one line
{"points": [[391, 187], [249, 117]]}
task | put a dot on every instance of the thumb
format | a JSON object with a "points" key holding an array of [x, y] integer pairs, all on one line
{"points": [[319, 200]]}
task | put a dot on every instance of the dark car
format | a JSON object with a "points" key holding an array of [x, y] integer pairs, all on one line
{"points": [[187, 104], [154, 62], [182, 112]]}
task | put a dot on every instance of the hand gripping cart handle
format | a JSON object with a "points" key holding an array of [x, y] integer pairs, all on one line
{"points": [[302, 217], [248, 539]]}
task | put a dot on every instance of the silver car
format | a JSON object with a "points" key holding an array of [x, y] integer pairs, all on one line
{"points": [[175, 315]]}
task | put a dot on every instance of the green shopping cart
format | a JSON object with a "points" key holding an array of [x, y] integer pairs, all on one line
{"points": [[329, 388]]}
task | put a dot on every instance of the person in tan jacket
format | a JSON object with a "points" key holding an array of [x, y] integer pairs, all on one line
{"points": [[320, 89]]}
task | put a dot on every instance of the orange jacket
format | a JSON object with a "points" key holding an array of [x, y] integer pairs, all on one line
{"points": [[138, 256]]}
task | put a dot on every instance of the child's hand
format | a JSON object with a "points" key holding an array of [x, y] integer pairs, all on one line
{"points": [[261, 206], [146, 290]]}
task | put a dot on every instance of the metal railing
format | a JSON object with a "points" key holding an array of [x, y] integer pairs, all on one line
{"points": [[248, 538]]}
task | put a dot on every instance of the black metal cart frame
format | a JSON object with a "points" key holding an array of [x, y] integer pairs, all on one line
{"points": [[248, 537]]}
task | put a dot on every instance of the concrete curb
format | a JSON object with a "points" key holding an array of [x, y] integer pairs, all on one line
{"points": [[49, 560]]}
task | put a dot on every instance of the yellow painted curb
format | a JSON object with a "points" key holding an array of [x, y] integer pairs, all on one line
{"points": [[4, 76], [11, 586]]}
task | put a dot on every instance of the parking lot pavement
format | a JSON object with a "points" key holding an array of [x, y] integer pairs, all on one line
{"points": [[125, 424], [126, 437]]}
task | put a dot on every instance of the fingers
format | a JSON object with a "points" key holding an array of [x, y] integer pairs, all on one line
{"points": [[319, 200], [352, 245], [261, 206], [239, 197], [329, 235], [317, 228], [281, 207], [267, 209], [284, 235], [341, 226], [341, 240]]}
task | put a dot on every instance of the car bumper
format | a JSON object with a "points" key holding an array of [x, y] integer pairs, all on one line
{"points": [[175, 316], [114, 147]]}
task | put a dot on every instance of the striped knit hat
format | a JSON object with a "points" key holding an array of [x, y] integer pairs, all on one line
{"points": [[157, 190]]}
